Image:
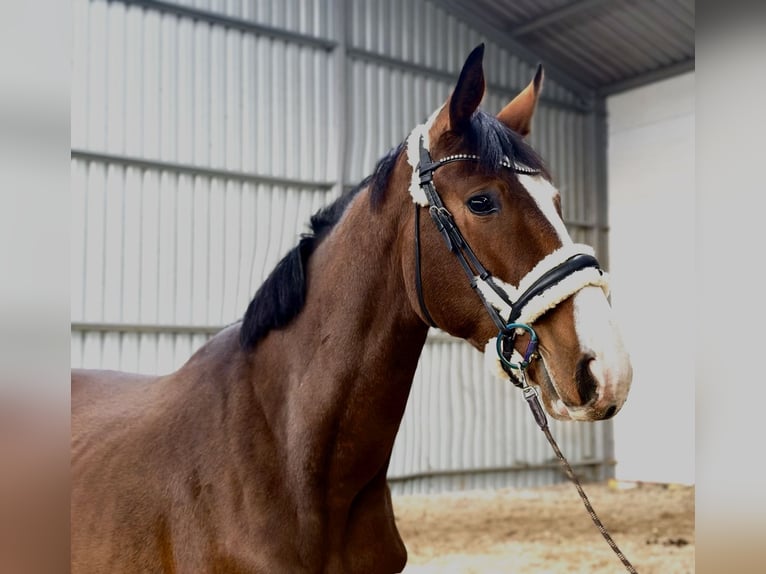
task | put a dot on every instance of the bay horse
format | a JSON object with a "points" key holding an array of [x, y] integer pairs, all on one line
{"points": [[268, 450]]}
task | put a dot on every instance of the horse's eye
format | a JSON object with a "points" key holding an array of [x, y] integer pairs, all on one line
{"points": [[482, 204]]}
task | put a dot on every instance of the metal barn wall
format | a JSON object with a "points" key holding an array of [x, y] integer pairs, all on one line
{"points": [[205, 133]]}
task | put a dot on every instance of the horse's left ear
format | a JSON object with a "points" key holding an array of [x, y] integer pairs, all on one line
{"points": [[517, 115], [469, 90]]}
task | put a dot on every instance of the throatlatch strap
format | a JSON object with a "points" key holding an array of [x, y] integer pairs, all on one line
{"points": [[418, 279]]}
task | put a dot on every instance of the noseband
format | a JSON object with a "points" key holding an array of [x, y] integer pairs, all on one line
{"points": [[474, 270]]}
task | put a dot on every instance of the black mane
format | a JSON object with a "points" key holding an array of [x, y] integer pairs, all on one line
{"points": [[282, 295]]}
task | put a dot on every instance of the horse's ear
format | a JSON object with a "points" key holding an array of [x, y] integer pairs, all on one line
{"points": [[469, 90], [517, 115]]}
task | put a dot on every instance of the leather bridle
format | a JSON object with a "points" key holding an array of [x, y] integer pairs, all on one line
{"points": [[473, 268]]}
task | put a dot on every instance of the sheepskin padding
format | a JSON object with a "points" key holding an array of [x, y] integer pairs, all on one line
{"points": [[553, 296], [413, 156]]}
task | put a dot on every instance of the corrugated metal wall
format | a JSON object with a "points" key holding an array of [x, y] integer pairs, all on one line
{"points": [[204, 134]]}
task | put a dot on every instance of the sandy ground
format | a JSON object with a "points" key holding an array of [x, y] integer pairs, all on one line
{"points": [[548, 530]]}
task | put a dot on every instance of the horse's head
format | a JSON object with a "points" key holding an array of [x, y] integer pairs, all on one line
{"points": [[504, 205]]}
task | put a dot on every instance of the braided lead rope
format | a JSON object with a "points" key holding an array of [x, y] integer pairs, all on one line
{"points": [[596, 520], [530, 395]]}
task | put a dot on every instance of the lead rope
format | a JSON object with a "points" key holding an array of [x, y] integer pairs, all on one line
{"points": [[519, 379], [596, 520]]}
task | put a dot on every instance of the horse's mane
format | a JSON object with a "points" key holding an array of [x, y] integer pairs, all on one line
{"points": [[282, 295]]}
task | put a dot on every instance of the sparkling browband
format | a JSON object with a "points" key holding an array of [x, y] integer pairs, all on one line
{"points": [[413, 159], [506, 162]]}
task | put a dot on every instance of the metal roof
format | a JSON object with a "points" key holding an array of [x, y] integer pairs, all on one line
{"points": [[594, 47]]}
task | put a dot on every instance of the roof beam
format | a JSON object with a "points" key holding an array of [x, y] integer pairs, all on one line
{"points": [[503, 39], [450, 77], [234, 23], [566, 11], [193, 170], [648, 77]]}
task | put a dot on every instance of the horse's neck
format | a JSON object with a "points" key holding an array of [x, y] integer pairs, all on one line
{"points": [[345, 365], [306, 421]]}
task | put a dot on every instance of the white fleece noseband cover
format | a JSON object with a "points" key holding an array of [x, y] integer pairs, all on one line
{"points": [[552, 296]]}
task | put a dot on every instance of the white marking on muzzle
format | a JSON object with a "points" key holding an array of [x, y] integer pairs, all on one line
{"points": [[600, 336]]}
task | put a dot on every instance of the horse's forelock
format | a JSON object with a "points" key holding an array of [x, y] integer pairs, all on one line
{"points": [[492, 141]]}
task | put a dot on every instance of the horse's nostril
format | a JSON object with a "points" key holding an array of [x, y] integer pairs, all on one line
{"points": [[610, 412], [586, 382]]}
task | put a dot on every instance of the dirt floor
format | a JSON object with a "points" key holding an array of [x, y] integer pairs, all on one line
{"points": [[548, 530]]}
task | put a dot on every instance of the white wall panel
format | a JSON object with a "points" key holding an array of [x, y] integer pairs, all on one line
{"points": [[651, 161], [166, 87], [158, 247], [203, 139]]}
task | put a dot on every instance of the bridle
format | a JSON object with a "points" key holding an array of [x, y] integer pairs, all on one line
{"points": [[473, 268], [507, 328]]}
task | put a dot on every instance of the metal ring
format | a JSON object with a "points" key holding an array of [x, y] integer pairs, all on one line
{"points": [[530, 350]]}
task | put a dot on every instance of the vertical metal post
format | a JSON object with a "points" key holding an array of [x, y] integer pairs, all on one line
{"points": [[342, 22], [597, 180], [596, 188], [599, 155]]}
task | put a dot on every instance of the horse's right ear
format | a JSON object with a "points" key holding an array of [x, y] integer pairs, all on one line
{"points": [[469, 90]]}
